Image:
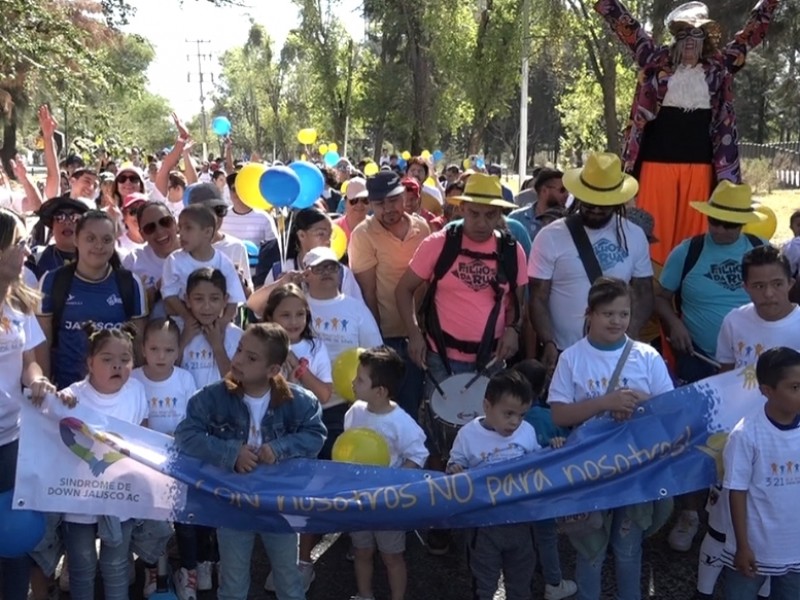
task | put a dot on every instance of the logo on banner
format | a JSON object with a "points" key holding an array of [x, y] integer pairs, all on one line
{"points": [[77, 436]]}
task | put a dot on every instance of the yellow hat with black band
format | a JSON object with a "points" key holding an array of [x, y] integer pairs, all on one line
{"points": [[601, 181], [483, 189], [730, 202]]}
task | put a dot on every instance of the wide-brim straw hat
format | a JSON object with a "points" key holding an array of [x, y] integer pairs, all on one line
{"points": [[483, 189], [601, 181], [730, 202], [693, 14]]}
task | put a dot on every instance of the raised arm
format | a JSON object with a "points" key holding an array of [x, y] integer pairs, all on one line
{"points": [[48, 126], [171, 160], [750, 36], [629, 31]]}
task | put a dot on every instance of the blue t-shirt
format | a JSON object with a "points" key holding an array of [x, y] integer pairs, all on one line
{"points": [[711, 289], [516, 228], [50, 259], [97, 301]]}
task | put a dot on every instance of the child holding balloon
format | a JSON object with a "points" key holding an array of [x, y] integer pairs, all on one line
{"points": [[377, 383], [254, 416]]}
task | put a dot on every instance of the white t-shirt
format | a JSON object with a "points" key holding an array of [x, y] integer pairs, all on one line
{"points": [[198, 357], [125, 245], [255, 226], [180, 264], [167, 399], [18, 333], [405, 438], [744, 336], [791, 250], [319, 362], [235, 250], [554, 258], [475, 445], [583, 372], [257, 407], [174, 208], [149, 267], [349, 284], [765, 461], [129, 405]]}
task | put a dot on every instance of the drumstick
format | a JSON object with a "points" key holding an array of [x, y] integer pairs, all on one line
{"points": [[478, 375], [705, 359], [436, 383]]}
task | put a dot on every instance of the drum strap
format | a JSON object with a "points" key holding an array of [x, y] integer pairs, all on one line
{"points": [[612, 383]]}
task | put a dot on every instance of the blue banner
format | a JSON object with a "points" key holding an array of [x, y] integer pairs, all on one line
{"points": [[671, 446]]}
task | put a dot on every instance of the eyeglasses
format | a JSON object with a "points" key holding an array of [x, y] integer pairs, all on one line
{"points": [[724, 224], [354, 201], [220, 211], [695, 32], [128, 178], [164, 222], [328, 267], [63, 217]]}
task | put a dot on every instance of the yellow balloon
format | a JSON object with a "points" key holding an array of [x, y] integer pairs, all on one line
{"points": [[426, 154], [247, 186], [764, 229], [323, 149], [344, 372], [307, 136], [344, 189], [361, 446], [333, 147], [406, 155], [338, 241], [429, 181], [467, 163], [371, 168]]}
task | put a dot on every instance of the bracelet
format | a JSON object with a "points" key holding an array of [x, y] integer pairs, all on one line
{"points": [[302, 368]]}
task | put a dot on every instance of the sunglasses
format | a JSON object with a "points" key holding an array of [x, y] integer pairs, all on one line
{"points": [[132, 210], [354, 201], [164, 222], [723, 224], [694, 32], [63, 217], [326, 267], [220, 211], [128, 178]]}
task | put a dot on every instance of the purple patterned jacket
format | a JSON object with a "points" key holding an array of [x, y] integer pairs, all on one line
{"points": [[656, 69]]}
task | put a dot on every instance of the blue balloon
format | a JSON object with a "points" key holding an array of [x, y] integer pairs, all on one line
{"points": [[401, 162], [20, 530], [311, 184], [331, 158], [221, 125], [479, 162], [280, 186], [252, 252], [438, 155]]}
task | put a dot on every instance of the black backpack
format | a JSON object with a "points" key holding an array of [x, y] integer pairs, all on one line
{"points": [[62, 282], [507, 271]]}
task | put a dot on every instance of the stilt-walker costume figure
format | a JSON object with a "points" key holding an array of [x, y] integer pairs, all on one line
{"points": [[681, 139]]}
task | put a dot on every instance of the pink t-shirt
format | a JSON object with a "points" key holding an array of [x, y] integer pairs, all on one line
{"points": [[464, 296]]}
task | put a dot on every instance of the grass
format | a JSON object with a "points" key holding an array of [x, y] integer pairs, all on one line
{"points": [[783, 203]]}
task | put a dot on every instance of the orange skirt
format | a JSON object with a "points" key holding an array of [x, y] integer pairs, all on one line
{"points": [[665, 190]]}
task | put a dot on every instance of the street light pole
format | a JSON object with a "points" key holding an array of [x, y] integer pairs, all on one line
{"points": [[523, 100]]}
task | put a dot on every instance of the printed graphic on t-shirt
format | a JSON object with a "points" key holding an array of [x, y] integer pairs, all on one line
{"points": [[476, 274], [783, 474], [333, 324], [14, 327], [501, 453], [727, 274], [163, 407], [608, 253]]}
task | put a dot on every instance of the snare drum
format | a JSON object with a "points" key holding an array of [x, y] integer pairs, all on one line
{"points": [[455, 408]]}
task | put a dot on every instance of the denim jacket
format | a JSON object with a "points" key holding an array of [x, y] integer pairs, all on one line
{"points": [[217, 423]]}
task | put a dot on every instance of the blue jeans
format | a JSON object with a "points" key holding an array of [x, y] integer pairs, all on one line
{"points": [[195, 544], [15, 572], [235, 552], [79, 539], [333, 419], [739, 587], [626, 543], [413, 381], [689, 368], [545, 537]]}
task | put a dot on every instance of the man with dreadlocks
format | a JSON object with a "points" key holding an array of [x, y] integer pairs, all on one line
{"points": [[681, 139], [569, 254]]}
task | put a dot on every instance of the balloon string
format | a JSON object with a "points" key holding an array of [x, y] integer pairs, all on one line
{"points": [[288, 228]]}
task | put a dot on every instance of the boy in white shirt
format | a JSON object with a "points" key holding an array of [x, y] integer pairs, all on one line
{"points": [[503, 434], [763, 479], [379, 377], [197, 225]]}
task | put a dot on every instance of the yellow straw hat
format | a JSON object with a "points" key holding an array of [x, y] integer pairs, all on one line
{"points": [[483, 189], [601, 181], [730, 202]]}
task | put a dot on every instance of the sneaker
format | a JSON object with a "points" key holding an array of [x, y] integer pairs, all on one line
{"points": [[682, 535], [439, 542], [565, 589], [306, 571], [186, 584], [204, 570], [150, 581]]}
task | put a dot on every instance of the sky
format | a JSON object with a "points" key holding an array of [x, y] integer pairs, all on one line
{"points": [[167, 24]]}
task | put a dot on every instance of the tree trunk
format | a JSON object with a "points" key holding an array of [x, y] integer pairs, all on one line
{"points": [[608, 84]]}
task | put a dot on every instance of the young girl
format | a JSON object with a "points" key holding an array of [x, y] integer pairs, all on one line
{"points": [[168, 389], [608, 373], [269, 420], [110, 390], [207, 341], [308, 365]]}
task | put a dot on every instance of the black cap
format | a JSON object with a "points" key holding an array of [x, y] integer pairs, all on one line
{"points": [[494, 169], [384, 184], [53, 205], [204, 193], [544, 175]]}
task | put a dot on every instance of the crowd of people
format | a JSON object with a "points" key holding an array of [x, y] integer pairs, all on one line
{"points": [[164, 300]]}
